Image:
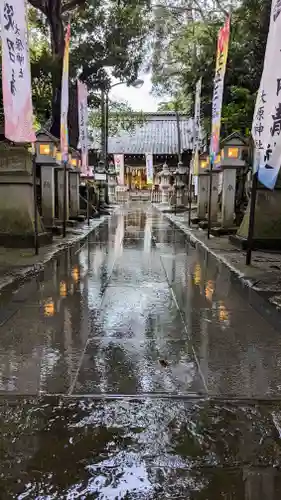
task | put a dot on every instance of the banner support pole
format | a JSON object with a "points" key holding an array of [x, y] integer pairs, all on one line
{"points": [[251, 228], [64, 199], [36, 239], [210, 201]]}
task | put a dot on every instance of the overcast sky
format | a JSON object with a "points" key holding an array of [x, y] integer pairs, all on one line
{"points": [[139, 99]]}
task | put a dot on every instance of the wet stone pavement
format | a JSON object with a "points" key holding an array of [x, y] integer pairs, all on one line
{"points": [[132, 367]]}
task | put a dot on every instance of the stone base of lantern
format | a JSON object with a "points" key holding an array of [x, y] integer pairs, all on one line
{"points": [[112, 193], [267, 230], [17, 200]]}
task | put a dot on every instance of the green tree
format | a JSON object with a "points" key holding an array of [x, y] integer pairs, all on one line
{"points": [[121, 117], [189, 53], [103, 35]]}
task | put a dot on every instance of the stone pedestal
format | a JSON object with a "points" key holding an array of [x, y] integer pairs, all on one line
{"points": [[228, 196], [17, 199], [165, 184], [61, 193], [112, 183], [215, 196], [203, 193], [267, 230], [74, 198], [48, 194]]}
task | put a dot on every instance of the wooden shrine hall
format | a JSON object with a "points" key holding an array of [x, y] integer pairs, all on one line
{"points": [[162, 135]]}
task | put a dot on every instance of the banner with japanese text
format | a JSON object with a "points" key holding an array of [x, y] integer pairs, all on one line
{"points": [[65, 98], [16, 76], [197, 127], [222, 52], [266, 126], [149, 168], [83, 125], [120, 169]]}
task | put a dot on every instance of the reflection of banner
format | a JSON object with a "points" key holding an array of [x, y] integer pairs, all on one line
{"points": [[16, 78], [120, 169], [266, 127], [149, 168], [222, 51], [197, 127], [65, 98], [83, 125]]}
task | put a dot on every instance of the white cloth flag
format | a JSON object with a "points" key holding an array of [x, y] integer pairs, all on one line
{"points": [[197, 115], [83, 125], [120, 169], [266, 127], [149, 168], [197, 127], [16, 77]]}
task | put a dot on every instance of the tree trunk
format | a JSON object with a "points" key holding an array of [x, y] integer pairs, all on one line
{"points": [[53, 13]]}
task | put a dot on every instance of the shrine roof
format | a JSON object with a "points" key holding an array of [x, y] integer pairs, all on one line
{"points": [[157, 135]]}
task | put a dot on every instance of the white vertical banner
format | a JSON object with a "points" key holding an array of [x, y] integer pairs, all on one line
{"points": [[266, 127], [16, 76], [120, 169], [83, 125], [149, 168], [65, 98], [197, 127]]}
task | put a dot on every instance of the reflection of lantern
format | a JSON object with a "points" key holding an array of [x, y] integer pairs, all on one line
{"points": [[49, 308], [197, 274], [209, 290], [223, 313], [63, 289], [75, 274]]}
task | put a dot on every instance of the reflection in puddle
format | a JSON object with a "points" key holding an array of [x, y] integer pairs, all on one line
{"points": [[97, 322]]}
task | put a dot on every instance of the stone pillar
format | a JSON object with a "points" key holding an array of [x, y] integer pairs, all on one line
{"points": [[74, 198], [228, 196], [17, 199], [215, 196], [48, 194], [203, 193], [112, 183], [165, 184], [61, 193]]}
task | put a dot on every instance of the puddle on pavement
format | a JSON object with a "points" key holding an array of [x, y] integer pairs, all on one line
{"points": [[152, 449], [97, 321]]}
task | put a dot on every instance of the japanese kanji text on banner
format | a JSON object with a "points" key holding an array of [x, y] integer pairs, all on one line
{"points": [[266, 127], [65, 98], [149, 168], [120, 169], [83, 125], [16, 77], [197, 127], [222, 51]]}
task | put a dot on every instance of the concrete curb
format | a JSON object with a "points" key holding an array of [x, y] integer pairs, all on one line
{"points": [[29, 271]]}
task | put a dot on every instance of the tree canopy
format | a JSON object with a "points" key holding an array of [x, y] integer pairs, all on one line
{"points": [[108, 39], [185, 50]]}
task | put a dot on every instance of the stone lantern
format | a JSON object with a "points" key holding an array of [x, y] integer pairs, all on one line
{"points": [[180, 184], [101, 179], [232, 159], [165, 186], [46, 149], [74, 183], [203, 186], [112, 182]]}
